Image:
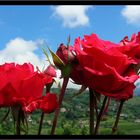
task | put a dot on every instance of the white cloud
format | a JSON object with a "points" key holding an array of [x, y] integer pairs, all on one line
{"points": [[20, 51], [60, 81], [132, 14], [70, 84], [72, 15]]}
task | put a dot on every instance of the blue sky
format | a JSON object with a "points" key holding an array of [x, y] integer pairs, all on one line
{"points": [[23, 28]]}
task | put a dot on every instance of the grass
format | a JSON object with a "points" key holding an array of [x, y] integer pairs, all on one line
{"points": [[124, 127]]}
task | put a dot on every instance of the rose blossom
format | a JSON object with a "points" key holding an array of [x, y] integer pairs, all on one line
{"points": [[102, 65], [105, 68], [21, 85], [131, 47]]}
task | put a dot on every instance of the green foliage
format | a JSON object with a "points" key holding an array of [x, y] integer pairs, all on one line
{"points": [[75, 119]]}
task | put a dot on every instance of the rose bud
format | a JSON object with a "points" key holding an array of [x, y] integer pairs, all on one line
{"points": [[50, 70], [66, 54]]}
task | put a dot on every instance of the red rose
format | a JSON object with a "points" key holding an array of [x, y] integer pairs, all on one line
{"points": [[131, 47], [104, 67], [20, 84], [94, 40], [47, 104]]}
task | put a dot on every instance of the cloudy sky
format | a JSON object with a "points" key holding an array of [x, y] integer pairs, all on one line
{"points": [[23, 29]]}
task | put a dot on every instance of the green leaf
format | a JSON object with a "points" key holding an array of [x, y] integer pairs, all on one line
{"points": [[45, 52], [56, 59]]}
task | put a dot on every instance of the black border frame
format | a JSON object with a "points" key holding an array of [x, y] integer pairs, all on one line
{"points": [[69, 2]]}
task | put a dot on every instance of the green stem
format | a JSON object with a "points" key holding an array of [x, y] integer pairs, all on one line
{"points": [[106, 107], [95, 105], [18, 123], [91, 111], [114, 129], [100, 116], [48, 87], [41, 122], [61, 96], [6, 115]]}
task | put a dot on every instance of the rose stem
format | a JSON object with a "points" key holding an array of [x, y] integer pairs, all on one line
{"points": [[100, 116], [65, 82], [95, 105], [114, 129], [96, 109], [91, 111], [4, 118], [18, 123], [40, 123], [42, 114], [107, 105]]}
